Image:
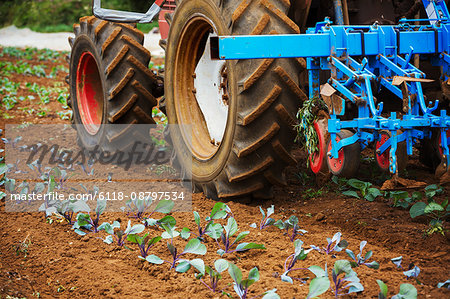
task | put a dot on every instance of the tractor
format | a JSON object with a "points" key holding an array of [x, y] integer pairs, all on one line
{"points": [[237, 72]]}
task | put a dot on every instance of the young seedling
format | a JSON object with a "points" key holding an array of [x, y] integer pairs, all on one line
{"points": [[367, 191], [350, 281], [298, 255], [137, 208], [412, 272], [220, 265], [437, 212], [445, 284], [120, 236], [219, 211], [291, 223], [194, 246], [241, 285], [84, 221], [320, 284], [407, 291], [68, 208], [335, 244], [144, 243], [265, 220], [230, 229], [359, 259]]}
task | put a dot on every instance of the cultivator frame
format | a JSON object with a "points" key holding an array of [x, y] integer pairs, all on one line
{"points": [[358, 57]]}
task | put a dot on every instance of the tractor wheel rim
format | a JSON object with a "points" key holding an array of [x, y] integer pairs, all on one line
{"points": [[89, 93], [336, 164], [382, 159], [201, 89], [316, 158]]}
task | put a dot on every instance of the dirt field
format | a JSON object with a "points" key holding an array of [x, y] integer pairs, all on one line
{"points": [[55, 262]]}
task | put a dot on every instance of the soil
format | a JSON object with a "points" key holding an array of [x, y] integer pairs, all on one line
{"points": [[42, 259]]}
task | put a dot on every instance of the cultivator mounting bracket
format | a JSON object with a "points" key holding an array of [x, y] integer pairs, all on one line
{"points": [[361, 58]]}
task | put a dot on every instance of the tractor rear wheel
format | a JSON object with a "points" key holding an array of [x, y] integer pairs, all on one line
{"points": [[241, 113], [110, 83]]}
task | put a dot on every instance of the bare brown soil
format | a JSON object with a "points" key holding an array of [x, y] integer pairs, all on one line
{"points": [[59, 263]]}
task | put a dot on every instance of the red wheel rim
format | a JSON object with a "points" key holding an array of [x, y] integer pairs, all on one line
{"points": [[441, 152], [316, 160], [336, 164], [383, 159], [89, 93]]}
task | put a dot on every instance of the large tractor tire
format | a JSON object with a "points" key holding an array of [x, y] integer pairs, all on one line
{"points": [[238, 140], [110, 83]]}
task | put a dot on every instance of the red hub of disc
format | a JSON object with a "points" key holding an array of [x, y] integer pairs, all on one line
{"points": [[441, 152], [336, 165], [382, 159], [317, 159], [89, 93]]}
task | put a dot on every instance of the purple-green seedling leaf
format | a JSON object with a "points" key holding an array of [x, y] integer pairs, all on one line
{"points": [[412, 273], [318, 286], [271, 294], [318, 271], [169, 232], [164, 206], [183, 266], [154, 259], [383, 290], [214, 230], [219, 211], [445, 284], [231, 227], [397, 261], [101, 206], [221, 265], [185, 233], [247, 246], [407, 291], [235, 273], [194, 246], [241, 236]]}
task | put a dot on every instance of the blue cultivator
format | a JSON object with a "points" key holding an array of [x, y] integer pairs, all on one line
{"points": [[361, 58]]}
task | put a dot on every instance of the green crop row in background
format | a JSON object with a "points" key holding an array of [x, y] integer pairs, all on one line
{"points": [[56, 16]]}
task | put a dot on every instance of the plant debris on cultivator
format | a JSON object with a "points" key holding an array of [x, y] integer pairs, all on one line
{"points": [[223, 78]]}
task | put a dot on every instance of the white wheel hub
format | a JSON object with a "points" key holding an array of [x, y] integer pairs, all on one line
{"points": [[210, 94]]}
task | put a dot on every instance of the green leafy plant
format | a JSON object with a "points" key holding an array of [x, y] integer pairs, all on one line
{"points": [[215, 276], [144, 243], [84, 221], [138, 208], [360, 260], [194, 246], [219, 211], [227, 233], [120, 236], [290, 224], [367, 191], [344, 280], [334, 244], [241, 286], [265, 220], [298, 255], [437, 212], [407, 291]]}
